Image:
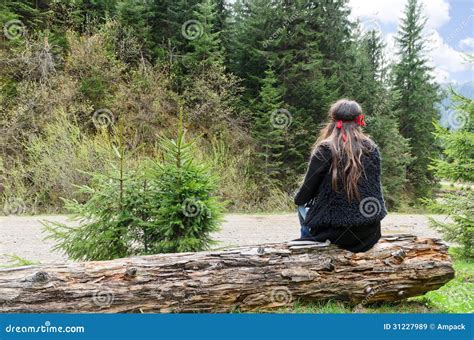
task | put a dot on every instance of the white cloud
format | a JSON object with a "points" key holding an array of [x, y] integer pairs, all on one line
{"points": [[467, 43], [437, 12], [383, 11], [390, 11], [443, 58]]}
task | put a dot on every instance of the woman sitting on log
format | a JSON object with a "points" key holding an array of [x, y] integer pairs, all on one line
{"points": [[341, 198]]}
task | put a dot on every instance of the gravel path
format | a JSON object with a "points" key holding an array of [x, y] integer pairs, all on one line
{"points": [[23, 235]]}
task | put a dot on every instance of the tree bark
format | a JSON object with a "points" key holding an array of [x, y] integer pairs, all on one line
{"points": [[249, 278]]}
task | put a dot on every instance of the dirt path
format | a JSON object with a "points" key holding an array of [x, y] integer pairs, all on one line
{"points": [[23, 235]]}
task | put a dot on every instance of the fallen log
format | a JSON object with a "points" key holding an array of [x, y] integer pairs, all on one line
{"points": [[247, 279]]}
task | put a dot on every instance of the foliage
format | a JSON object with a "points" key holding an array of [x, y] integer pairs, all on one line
{"points": [[457, 164], [159, 207], [269, 135], [17, 261], [187, 211], [461, 210], [418, 95], [231, 66], [56, 156], [238, 185], [379, 104]]}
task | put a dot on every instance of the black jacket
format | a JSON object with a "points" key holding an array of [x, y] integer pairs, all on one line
{"points": [[331, 214]]}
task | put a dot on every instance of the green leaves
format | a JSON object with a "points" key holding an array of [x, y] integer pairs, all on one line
{"points": [[165, 206], [418, 97], [457, 165]]}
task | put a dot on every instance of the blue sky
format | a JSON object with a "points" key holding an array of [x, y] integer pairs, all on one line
{"points": [[449, 30]]}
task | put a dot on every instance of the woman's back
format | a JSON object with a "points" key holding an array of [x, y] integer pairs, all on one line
{"points": [[342, 186]]}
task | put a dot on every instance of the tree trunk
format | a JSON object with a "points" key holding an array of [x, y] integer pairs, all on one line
{"points": [[246, 279]]}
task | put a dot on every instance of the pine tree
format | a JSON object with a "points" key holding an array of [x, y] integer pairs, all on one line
{"points": [[418, 96], [113, 213], [282, 35], [457, 165], [166, 27], [378, 103], [136, 15], [206, 48], [252, 24], [331, 20], [165, 206], [188, 212], [268, 134]]}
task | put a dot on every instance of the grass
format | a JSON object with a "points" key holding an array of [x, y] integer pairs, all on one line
{"points": [[457, 295], [17, 261], [454, 297]]}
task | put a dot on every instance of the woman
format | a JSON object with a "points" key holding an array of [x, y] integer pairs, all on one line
{"points": [[341, 199]]}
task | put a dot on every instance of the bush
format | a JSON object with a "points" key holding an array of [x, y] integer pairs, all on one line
{"points": [[461, 230], [161, 207], [93, 87], [55, 158], [187, 212], [457, 164], [237, 183]]}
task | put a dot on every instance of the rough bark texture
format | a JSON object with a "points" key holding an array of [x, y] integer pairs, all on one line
{"points": [[247, 279]]}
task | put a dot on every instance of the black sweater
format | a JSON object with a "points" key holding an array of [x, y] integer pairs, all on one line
{"points": [[352, 225]]}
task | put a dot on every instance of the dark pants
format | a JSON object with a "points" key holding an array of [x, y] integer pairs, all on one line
{"points": [[358, 238]]}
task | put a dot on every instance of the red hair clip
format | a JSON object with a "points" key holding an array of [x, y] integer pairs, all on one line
{"points": [[339, 126], [360, 120]]}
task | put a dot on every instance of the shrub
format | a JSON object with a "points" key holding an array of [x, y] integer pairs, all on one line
{"points": [[461, 230], [187, 212], [238, 187], [160, 207], [55, 158], [457, 165], [93, 87]]}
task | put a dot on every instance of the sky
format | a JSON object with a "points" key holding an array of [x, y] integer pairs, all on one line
{"points": [[449, 30]]}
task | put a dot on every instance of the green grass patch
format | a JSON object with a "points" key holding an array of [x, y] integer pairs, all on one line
{"points": [[457, 295], [17, 261]]}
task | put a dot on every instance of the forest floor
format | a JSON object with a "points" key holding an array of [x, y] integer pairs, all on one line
{"points": [[23, 236], [22, 242]]}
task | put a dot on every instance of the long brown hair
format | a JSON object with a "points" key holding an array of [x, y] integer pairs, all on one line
{"points": [[347, 144]]}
